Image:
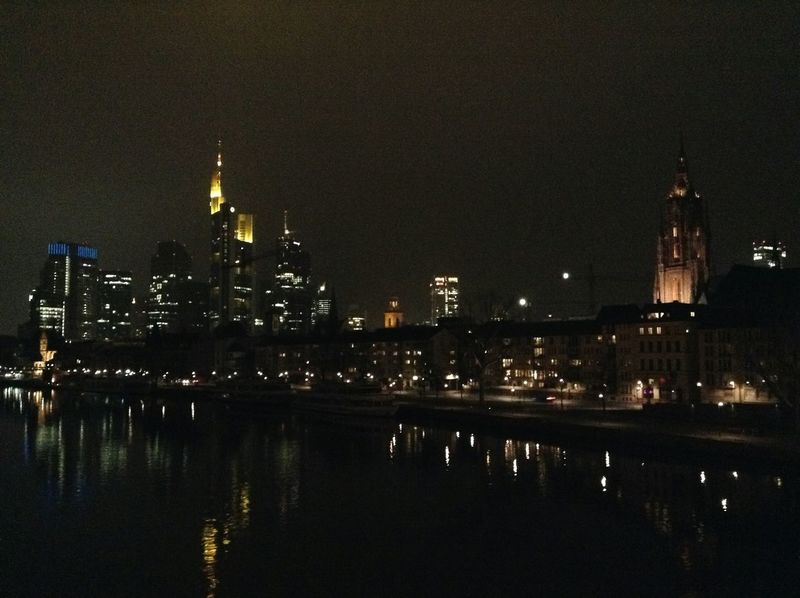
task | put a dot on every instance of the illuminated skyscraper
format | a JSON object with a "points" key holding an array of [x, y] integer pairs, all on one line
{"points": [[444, 298], [324, 306], [170, 267], [65, 302], [769, 254], [176, 302], [116, 300], [292, 294], [231, 280], [682, 256]]}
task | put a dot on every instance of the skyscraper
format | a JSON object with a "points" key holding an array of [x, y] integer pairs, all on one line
{"points": [[323, 309], [292, 288], [444, 298], [176, 302], [231, 280], [170, 267], [65, 302], [114, 321], [769, 254], [682, 256]]}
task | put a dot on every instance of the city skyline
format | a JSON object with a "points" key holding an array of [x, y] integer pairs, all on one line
{"points": [[545, 143]]}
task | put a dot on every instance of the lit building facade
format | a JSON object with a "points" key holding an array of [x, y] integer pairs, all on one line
{"points": [[292, 295], [355, 323], [231, 280], [444, 298], [176, 302], [114, 321], [682, 256], [324, 307], [66, 300], [769, 254], [393, 316]]}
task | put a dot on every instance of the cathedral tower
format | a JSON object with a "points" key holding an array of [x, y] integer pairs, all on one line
{"points": [[682, 256]]}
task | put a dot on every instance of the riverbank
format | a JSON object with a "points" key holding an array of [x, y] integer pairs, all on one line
{"points": [[613, 429], [621, 426]]}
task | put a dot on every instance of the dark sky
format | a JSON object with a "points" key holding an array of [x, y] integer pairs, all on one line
{"points": [[503, 142]]}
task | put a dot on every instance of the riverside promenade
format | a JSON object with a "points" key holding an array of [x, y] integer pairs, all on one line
{"points": [[619, 425], [615, 424]]}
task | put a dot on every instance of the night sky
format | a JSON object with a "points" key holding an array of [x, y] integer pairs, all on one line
{"points": [[500, 142]]}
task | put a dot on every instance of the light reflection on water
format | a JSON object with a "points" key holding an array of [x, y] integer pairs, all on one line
{"points": [[233, 482]]}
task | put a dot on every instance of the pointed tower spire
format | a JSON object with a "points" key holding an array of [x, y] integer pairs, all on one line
{"points": [[217, 199], [682, 169], [682, 254], [286, 222]]}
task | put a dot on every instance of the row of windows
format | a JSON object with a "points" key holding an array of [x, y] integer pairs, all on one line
{"points": [[658, 346], [649, 330], [653, 365], [724, 365]]}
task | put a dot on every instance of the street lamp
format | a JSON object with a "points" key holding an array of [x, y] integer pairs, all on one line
{"points": [[561, 384]]}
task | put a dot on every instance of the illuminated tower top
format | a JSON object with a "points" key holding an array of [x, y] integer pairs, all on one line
{"points": [[682, 255], [681, 184], [217, 199]]}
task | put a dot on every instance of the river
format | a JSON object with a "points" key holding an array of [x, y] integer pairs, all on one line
{"points": [[117, 496]]}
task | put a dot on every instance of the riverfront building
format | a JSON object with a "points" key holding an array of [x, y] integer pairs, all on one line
{"points": [[397, 358]]}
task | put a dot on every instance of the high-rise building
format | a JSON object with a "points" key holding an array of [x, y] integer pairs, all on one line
{"points": [[324, 306], [292, 295], [114, 321], [393, 316], [65, 302], [176, 302], [169, 268], [193, 311], [231, 280], [444, 298], [682, 256], [769, 254]]}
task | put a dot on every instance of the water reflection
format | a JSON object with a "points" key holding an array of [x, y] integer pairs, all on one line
{"points": [[80, 445], [680, 502], [237, 488]]}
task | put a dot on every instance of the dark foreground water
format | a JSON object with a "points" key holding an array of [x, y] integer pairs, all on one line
{"points": [[107, 496]]}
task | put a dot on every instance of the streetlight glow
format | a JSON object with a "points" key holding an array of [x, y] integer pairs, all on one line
{"points": [[565, 275]]}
